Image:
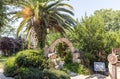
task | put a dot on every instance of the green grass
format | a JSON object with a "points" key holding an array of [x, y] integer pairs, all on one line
{"points": [[2, 61]]}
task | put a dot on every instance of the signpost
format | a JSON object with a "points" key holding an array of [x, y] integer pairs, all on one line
{"points": [[99, 66]]}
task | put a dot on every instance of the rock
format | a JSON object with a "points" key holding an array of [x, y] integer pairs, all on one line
{"points": [[61, 64], [72, 73]]}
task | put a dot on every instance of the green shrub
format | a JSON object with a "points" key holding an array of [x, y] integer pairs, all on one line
{"points": [[25, 64], [31, 58], [31, 64], [75, 67], [28, 73], [51, 64], [55, 74], [10, 67], [68, 58], [34, 73]]}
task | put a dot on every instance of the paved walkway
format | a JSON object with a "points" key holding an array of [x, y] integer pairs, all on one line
{"points": [[95, 76], [2, 76]]}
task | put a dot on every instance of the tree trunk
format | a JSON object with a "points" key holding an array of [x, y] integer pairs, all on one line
{"points": [[35, 40], [40, 32]]}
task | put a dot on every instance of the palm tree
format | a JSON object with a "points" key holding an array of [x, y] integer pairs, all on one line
{"points": [[2, 14], [40, 15]]}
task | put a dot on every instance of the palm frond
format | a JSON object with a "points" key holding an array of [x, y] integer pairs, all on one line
{"points": [[16, 17], [46, 20], [32, 3], [22, 3], [68, 19], [59, 22], [28, 34], [65, 10], [15, 12], [42, 1], [53, 4], [65, 5], [62, 22], [22, 24], [58, 18], [28, 37], [37, 11], [28, 28]]}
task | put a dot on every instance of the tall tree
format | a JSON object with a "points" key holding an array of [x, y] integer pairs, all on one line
{"points": [[92, 37], [8, 45], [2, 15], [111, 18], [40, 15], [5, 27]]}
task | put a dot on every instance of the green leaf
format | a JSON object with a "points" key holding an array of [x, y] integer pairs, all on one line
{"points": [[65, 5], [22, 24], [52, 5], [65, 10]]}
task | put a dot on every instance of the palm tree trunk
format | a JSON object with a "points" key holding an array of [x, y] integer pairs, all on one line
{"points": [[35, 40], [40, 34]]}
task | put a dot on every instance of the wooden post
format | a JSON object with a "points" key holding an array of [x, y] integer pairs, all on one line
{"points": [[114, 72]]}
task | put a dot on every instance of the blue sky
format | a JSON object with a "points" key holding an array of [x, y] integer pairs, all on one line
{"points": [[89, 6]]}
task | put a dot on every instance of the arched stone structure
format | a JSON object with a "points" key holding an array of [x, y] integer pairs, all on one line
{"points": [[60, 40]]}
